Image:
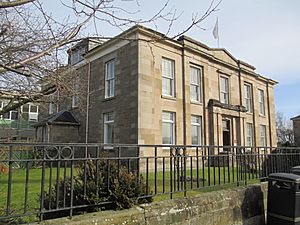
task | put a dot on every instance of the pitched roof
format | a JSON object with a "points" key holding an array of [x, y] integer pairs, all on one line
{"points": [[63, 117]]}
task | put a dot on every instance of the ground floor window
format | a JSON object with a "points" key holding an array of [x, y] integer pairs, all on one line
{"points": [[263, 136], [196, 130], [108, 128], [249, 134], [168, 128]]}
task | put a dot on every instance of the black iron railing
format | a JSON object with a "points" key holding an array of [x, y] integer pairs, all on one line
{"points": [[46, 180]]}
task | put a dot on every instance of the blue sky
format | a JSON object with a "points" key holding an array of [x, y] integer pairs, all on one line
{"points": [[264, 33]]}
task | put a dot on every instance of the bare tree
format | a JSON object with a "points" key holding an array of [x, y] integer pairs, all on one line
{"points": [[284, 128], [33, 43]]}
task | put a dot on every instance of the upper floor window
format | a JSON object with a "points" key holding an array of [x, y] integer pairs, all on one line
{"points": [[30, 112], [196, 130], [248, 97], [261, 101], [11, 115], [76, 55], [108, 128], [195, 84], [168, 74], [224, 90], [110, 79], [33, 112], [168, 128], [53, 102], [249, 134], [263, 135]]}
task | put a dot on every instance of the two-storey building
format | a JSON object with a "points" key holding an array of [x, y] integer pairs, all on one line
{"points": [[144, 88]]}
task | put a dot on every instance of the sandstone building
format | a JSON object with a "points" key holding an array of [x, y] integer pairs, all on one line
{"points": [[144, 88]]}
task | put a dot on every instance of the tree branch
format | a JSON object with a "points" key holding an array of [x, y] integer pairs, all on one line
{"points": [[14, 3]]}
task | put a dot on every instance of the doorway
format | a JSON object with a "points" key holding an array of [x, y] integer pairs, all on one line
{"points": [[226, 131]]}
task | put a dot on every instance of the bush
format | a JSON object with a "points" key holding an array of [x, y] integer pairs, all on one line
{"points": [[112, 183]]}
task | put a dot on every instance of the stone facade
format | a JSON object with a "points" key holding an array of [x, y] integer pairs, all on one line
{"points": [[138, 103], [214, 63], [124, 104]]}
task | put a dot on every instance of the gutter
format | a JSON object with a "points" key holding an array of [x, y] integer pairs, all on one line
{"points": [[87, 104], [241, 103], [183, 94], [269, 115]]}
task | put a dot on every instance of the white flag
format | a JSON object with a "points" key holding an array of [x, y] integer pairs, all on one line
{"points": [[216, 29]]}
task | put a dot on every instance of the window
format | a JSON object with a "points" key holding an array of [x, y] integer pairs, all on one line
{"points": [[76, 55], [249, 134], [168, 77], [29, 112], [196, 130], [263, 135], [33, 112], [75, 97], [195, 80], [110, 79], [14, 115], [11, 115], [261, 101], [53, 105], [248, 97], [168, 128], [108, 128], [224, 91]]}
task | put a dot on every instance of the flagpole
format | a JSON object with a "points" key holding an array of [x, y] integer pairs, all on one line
{"points": [[218, 33]]}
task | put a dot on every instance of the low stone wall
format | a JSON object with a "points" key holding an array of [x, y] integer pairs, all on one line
{"points": [[238, 206]]}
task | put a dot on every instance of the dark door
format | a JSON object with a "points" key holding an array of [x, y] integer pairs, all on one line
{"points": [[226, 133]]}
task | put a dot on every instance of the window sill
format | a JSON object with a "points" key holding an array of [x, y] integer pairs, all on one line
{"points": [[196, 103], [249, 113], [108, 148], [168, 97], [108, 99], [166, 148], [261, 115]]}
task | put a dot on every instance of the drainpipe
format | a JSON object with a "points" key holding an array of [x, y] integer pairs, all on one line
{"points": [[253, 117], [269, 115], [204, 136], [183, 93], [87, 104], [241, 103]]}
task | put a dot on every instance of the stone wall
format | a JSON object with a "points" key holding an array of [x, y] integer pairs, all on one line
{"points": [[238, 206]]}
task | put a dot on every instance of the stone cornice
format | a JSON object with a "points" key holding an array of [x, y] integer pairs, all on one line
{"points": [[216, 103]]}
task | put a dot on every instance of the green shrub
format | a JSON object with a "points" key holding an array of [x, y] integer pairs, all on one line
{"points": [[112, 183]]}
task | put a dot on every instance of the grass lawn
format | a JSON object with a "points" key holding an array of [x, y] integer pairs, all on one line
{"points": [[219, 179]]}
